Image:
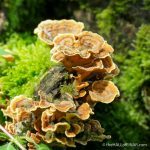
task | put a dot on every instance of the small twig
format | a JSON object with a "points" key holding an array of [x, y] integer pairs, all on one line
{"points": [[11, 137]]}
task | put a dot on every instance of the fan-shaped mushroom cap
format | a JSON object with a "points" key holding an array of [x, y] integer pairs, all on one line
{"points": [[79, 85], [103, 91], [87, 71], [22, 102], [82, 93], [105, 51], [73, 131], [84, 111], [98, 67], [48, 137], [61, 127], [46, 120], [71, 61], [72, 52], [86, 43], [72, 117], [48, 117], [64, 106], [23, 115], [108, 64], [35, 136], [44, 103], [20, 105], [82, 47], [113, 73], [49, 29], [90, 42], [67, 40]]}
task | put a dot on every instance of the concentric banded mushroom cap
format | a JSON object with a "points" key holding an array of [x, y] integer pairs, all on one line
{"points": [[91, 42], [79, 86], [71, 61], [103, 91], [23, 115], [49, 29], [20, 104], [64, 106], [83, 44], [98, 68]]}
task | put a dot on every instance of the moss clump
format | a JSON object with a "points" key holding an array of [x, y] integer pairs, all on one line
{"points": [[68, 88], [105, 20], [32, 60], [136, 75]]}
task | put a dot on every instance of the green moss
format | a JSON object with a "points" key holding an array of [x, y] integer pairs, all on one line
{"points": [[32, 60], [105, 20], [68, 88], [136, 70]]}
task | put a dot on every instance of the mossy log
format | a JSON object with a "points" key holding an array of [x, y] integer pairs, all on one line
{"points": [[51, 84]]}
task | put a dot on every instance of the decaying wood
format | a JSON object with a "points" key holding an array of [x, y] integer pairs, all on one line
{"points": [[50, 84]]}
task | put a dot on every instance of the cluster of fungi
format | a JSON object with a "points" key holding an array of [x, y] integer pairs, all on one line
{"points": [[64, 118]]}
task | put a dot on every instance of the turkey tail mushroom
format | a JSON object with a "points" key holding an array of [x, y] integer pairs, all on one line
{"points": [[47, 30]]}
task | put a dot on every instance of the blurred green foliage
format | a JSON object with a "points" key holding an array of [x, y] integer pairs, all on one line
{"points": [[8, 146], [136, 69], [32, 60], [24, 15], [20, 12], [125, 18], [42, 146]]}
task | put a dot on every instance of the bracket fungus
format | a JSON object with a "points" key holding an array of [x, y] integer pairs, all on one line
{"points": [[49, 29], [53, 116], [103, 91]]}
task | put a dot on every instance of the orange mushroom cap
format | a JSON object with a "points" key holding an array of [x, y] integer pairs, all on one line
{"points": [[103, 91], [47, 30], [73, 131], [84, 111]]}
